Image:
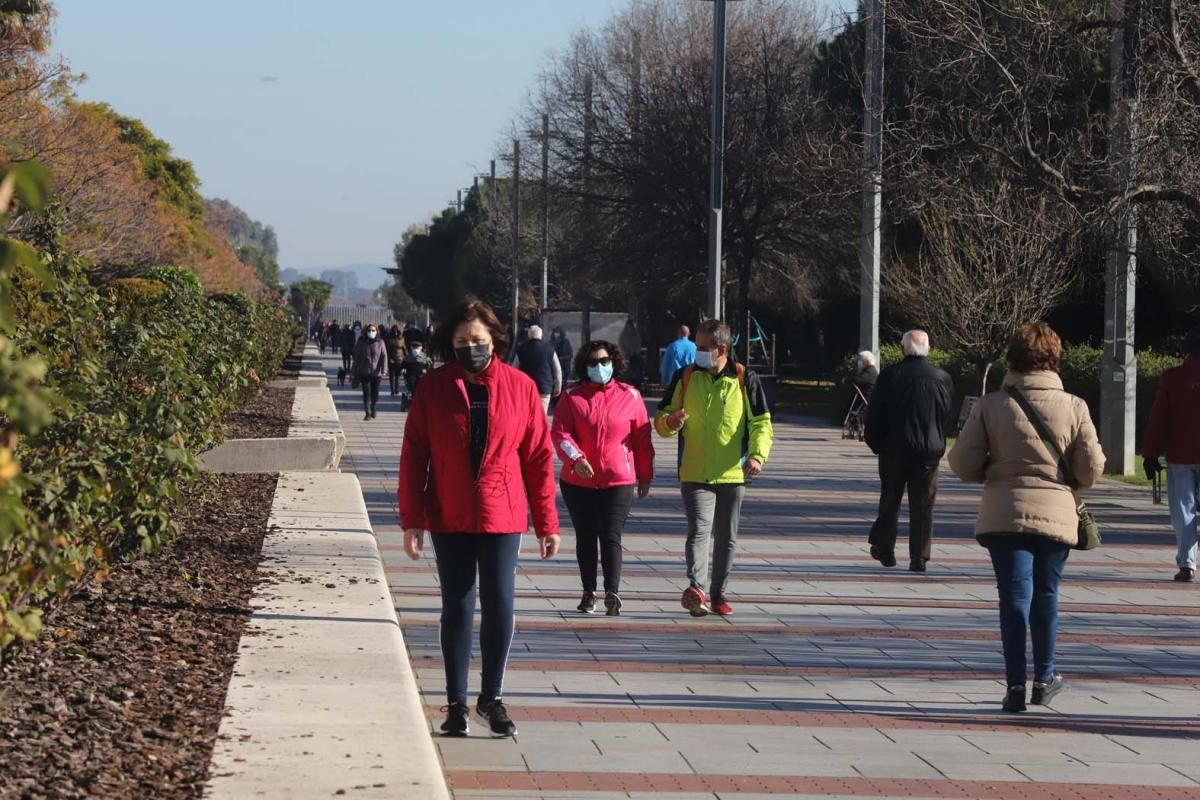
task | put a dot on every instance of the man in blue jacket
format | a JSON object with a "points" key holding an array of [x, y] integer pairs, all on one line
{"points": [[679, 354]]}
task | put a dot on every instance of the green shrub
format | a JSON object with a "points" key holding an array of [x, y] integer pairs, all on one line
{"points": [[141, 373]]}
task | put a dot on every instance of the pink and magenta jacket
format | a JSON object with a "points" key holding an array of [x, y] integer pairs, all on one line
{"points": [[438, 491], [608, 426]]}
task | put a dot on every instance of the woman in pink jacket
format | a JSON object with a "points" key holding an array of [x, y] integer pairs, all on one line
{"points": [[602, 434]]}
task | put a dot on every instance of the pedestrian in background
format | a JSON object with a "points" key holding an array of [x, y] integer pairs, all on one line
{"points": [[721, 409], [369, 367], [476, 458], [396, 353], [630, 342], [346, 343], [907, 420], [1174, 429], [679, 354], [1028, 516], [602, 434], [562, 347], [867, 374], [537, 359]]}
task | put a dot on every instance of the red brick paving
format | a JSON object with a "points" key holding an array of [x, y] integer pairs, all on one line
{"points": [[729, 667], [803, 785], [720, 626], [988, 722]]}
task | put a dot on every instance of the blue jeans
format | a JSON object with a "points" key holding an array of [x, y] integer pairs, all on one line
{"points": [[460, 556], [1028, 568], [1183, 496]]}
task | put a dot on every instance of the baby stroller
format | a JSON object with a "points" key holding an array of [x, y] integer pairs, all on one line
{"points": [[415, 365], [854, 426]]}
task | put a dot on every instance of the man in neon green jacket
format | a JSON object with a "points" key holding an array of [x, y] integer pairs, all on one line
{"points": [[721, 410]]}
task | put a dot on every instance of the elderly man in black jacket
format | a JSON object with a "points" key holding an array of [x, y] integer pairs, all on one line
{"points": [[906, 427]]}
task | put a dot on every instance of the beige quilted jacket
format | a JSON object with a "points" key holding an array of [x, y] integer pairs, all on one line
{"points": [[1023, 488]]}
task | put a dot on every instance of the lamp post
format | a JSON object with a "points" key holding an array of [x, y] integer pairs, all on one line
{"points": [[545, 296], [870, 239], [516, 239], [716, 177]]}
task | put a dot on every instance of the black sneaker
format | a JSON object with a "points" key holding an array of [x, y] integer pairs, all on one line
{"points": [[366, 416], [916, 565], [612, 604], [1044, 692], [587, 604], [1014, 701], [457, 716], [1185, 575], [885, 558], [497, 718]]}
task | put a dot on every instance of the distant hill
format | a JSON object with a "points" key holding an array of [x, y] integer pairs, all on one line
{"points": [[352, 283]]}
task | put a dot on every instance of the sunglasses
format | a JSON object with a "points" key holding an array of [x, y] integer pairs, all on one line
{"points": [[598, 362]]}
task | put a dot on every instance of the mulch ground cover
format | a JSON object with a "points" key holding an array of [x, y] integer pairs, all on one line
{"points": [[121, 696], [265, 417]]}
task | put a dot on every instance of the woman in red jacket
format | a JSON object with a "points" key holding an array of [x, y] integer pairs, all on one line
{"points": [[602, 434], [476, 456]]}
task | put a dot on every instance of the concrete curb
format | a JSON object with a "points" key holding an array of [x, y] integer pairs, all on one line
{"points": [[294, 383], [315, 440], [300, 454], [323, 699]]}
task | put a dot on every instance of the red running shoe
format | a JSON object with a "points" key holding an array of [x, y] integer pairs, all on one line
{"points": [[694, 601], [722, 608]]}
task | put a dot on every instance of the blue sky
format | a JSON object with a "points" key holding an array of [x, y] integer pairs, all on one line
{"points": [[338, 123]]}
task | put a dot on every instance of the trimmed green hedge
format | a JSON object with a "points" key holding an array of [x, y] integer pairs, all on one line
{"points": [[139, 374]]}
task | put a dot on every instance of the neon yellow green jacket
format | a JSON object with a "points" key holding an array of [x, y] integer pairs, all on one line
{"points": [[726, 423]]}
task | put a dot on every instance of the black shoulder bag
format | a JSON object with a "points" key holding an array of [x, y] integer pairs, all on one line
{"points": [[1089, 530]]}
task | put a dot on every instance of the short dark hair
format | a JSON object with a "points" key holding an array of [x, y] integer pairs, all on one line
{"points": [[718, 330], [614, 352], [1034, 346], [467, 311], [1191, 342]]}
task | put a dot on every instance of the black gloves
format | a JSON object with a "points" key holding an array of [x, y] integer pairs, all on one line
{"points": [[1152, 467]]}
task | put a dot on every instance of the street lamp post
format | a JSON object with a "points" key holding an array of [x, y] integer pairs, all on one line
{"points": [[870, 239], [516, 239], [545, 297], [716, 189]]}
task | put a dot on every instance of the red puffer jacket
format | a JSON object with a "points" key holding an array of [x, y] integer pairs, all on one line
{"points": [[608, 426], [438, 491]]}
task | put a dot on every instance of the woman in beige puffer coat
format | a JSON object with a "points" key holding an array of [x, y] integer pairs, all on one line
{"points": [[1028, 519]]}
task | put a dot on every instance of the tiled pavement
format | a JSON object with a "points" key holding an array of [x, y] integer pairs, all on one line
{"points": [[836, 677]]}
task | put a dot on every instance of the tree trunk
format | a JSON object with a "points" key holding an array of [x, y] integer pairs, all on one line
{"points": [[987, 368]]}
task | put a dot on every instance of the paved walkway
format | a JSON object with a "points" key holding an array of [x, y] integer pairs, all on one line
{"points": [[836, 677]]}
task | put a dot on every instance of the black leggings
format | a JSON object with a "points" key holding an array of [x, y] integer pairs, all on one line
{"points": [[459, 556], [394, 380], [599, 518], [370, 390]]}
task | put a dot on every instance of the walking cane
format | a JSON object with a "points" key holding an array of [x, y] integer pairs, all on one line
{"points": [[1156, 487]]}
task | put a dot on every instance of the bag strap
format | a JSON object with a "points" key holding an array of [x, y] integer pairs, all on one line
{"points": [[1047, 438]]}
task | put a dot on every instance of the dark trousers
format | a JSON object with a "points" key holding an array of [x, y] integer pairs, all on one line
{"points": [[598, 516], [394, 381], [346, 359], [1028, 568], [370, 390], [920, 480], [460, 556]]}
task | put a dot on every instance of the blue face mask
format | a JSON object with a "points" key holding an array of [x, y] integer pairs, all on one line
{"points": [[600, 373], [370, 334]]}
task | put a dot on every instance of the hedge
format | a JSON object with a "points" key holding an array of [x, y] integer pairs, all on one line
{"points": [[1080, 372], [138, 375]]}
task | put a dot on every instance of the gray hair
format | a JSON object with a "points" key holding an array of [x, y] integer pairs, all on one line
{"points": [[867, 358], [535, 332], [915, 343], [718, 330]]}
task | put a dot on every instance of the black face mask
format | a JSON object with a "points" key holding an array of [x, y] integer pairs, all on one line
{"points": [[474, 358]]}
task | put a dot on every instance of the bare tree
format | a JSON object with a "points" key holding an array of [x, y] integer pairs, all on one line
{"points": [[989, 261]]}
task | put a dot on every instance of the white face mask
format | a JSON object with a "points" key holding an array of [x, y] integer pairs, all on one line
{"points": [[704, 359]]}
